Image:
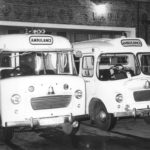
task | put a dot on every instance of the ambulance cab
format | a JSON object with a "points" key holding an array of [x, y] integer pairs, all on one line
{"points": [[39, 85], [117, 76]]}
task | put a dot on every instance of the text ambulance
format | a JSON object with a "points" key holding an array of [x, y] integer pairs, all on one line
{"points": [[39, 86], [117, 76]]}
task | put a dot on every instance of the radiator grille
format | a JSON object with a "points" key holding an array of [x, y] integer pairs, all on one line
{"points": [[50, 102], [142, 95]]}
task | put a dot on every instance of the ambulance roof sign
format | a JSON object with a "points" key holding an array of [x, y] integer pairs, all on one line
{"points": [[131, 43], [41, 40]]}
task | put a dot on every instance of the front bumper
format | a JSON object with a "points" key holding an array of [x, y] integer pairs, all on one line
{"points": [[133, 113], [40, 122]]}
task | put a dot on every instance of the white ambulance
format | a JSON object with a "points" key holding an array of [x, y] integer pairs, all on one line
{"points": [[117, 76], [39, 85]]}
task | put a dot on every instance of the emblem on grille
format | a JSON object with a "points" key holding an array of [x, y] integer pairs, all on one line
{"points": [[147, 84], [51, 90]]}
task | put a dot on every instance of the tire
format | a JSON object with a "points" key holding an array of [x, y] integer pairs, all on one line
{"points": [[103, 120], [147, 119], [7, 134]]}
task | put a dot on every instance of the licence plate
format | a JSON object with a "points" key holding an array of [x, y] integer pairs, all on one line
{"points": [[51, 121]]}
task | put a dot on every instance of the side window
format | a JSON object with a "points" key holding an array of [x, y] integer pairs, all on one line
{"points": [[145, 63], [88, 66], [77, 63]]}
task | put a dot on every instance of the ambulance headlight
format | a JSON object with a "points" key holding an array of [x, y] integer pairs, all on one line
{"points": [[16, 99], [78, 94], [31, 88], [119, 98]]}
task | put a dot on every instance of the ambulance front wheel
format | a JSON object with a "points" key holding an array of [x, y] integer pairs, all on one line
{"points": [[7, 134], [103, 120]]}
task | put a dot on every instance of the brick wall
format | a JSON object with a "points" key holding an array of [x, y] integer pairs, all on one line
{"points": [[68, 12], [144, 29], [121, 13]]}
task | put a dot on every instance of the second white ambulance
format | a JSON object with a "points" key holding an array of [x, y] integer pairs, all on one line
{"points": [[117, 76]]}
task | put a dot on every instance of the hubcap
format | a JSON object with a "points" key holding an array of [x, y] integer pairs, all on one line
{"points": [[102, 115]]}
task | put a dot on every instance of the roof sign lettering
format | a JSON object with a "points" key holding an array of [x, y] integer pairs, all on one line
{"points": [[41, 40], [131, 43]]}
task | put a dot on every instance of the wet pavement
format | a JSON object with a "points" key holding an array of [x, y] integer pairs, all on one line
{"points": [[128, 134]]}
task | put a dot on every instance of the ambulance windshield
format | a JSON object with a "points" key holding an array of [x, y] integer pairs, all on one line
{"points": [[36, 63], [117, 66]]}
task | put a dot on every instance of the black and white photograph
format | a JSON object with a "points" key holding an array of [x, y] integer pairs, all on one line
{"points": [[74, 74]]}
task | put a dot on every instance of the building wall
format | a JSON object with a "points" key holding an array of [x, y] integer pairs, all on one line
{"points": [[120, 13], [69, 12]]}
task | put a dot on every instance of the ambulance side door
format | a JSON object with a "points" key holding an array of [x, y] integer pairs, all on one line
{"points": [[87, 72]]}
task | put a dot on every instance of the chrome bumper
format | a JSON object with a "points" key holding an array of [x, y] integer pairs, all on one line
{"points": [[32, 122], [134, 112]]}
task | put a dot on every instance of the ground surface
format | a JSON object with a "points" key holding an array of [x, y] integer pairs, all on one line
{"points": [[128, 134]]}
